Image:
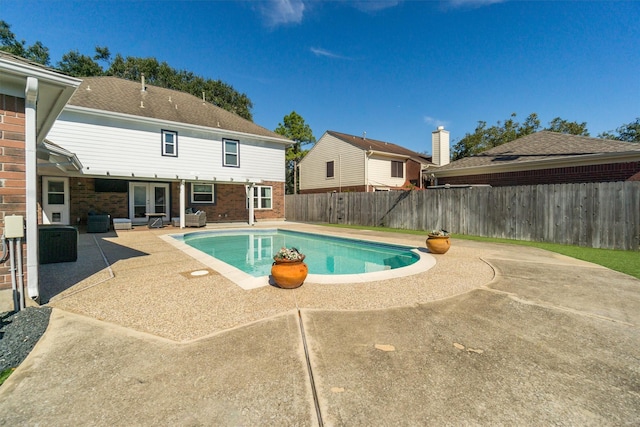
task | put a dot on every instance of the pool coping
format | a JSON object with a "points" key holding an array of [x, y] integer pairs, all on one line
{"points": [[247, 282]]}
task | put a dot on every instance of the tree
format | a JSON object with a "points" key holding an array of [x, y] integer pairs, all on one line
{"points": [[564, 126], [75, 64], [297, 130], [37, 52], [629, 132], [484, 138], [161, 74]]}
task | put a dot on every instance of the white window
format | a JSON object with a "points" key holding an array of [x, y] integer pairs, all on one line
{"points": [[169, 143], [202, 193], [262, 197], [231, 154]]}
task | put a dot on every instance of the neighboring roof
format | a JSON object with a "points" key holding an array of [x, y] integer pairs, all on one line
{"points": [[543, 147], [368, 144], [126, 97]]}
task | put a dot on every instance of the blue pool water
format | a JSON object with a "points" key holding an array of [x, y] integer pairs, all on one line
{"points": [[252, 251]]}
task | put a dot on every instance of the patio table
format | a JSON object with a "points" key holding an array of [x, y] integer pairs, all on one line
{"points": [[155, 219]]}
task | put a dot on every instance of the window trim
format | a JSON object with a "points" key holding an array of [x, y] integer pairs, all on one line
{"points": [[258, 188], [393, 169], [333, 170], [164, 143], [198, 202], [224, 153]]}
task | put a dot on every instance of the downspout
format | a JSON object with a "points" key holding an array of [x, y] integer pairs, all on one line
{"points": [[183, 204], [339, 173], [31, 101], [366, 173], [367, 154]]}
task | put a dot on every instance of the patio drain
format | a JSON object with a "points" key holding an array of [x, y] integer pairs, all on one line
{"points": [[198, 273]]}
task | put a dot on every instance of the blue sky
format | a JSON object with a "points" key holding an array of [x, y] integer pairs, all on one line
{"points": [[395, 69]]}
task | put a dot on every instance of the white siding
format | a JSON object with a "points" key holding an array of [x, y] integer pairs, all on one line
{"points": [[380, 172], [348, 165], [127, 148]]}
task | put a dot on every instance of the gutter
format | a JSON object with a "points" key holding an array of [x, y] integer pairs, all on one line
{"points": [[387, 154]]}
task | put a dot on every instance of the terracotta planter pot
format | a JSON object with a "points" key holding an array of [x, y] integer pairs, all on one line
{"points": [[289, 274], [438, 244]]}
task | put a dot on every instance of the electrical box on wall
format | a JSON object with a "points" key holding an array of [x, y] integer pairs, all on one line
{"points": [[13, 226]]}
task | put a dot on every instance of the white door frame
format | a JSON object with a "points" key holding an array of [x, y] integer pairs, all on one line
{"points": [[54, 212], [146, 202]]}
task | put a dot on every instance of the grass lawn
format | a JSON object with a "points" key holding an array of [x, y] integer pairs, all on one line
{"points": [[627, 262], [5, 374]]}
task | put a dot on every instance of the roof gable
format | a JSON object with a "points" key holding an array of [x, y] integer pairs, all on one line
{"points": [[127, 97], [368, 144]]}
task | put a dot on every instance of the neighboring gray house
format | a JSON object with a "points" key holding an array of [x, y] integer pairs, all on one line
{"points": [[545, 158]]}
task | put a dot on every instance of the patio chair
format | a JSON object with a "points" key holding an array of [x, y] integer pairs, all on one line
{"points": [[197, 219]]}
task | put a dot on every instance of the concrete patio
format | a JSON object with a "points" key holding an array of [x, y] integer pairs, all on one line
{"points": [[492, 335]]}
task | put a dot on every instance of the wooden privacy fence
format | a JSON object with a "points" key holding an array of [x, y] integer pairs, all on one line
{"points": [[598, 215]]}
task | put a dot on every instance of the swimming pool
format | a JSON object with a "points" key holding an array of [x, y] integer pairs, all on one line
{"points": [[245, 255]]}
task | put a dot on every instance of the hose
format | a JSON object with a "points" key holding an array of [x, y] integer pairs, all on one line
{"points": [[5, 254]]}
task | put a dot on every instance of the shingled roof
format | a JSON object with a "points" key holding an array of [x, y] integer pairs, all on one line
{"points": [[381, 146], [539, 147], [18, 59], [126, 97]]}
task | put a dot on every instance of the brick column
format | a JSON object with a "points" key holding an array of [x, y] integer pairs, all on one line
{"points": [[12, 167]]}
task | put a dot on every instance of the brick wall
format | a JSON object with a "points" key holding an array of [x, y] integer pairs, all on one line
{"points": [[414, 172], [594, 173], [277, 213], [230, 202], [83, 198], [12, 168]]}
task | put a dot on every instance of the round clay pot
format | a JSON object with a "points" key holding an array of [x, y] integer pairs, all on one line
{"points": [[289, 274], [438, 244]]}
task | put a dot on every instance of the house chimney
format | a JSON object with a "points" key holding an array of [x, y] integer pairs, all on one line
{"points": [[440, 146]]}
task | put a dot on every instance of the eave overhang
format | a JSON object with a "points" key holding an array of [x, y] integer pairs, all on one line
{"points": [[51, 155], [54, 89], [164, 123], [569, 161]]}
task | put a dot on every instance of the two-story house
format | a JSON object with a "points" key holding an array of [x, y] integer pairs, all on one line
{"points": [[135, 149], [341, 162]]}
